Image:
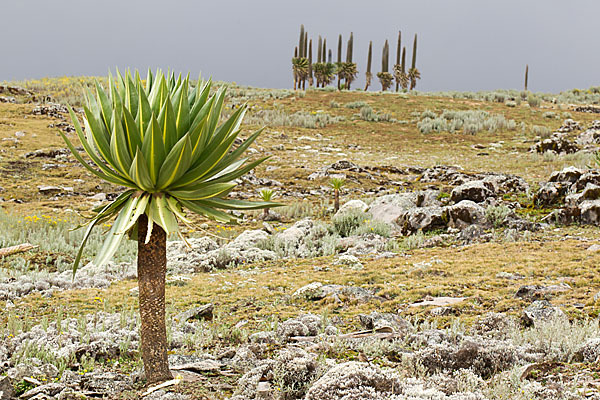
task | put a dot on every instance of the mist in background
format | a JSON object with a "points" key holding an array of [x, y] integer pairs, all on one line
{"points": [[465, 45]]}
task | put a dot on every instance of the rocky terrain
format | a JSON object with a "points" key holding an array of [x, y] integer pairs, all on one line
{"points": [[458, 266]]}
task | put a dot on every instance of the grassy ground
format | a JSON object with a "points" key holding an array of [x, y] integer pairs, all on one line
{"points": [[261, 293]]}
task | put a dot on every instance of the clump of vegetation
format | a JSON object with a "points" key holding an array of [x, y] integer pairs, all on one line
{"points": [[367, 114], [541, 131], [533, 100], [497, 214], [470, 122], [356, 104], [304, 119], [347, 223]]}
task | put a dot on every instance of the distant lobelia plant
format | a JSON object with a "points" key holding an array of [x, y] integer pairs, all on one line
{"points": [[266, 195], [368, 74], [413, 72], [347, 70], [337, 184], [162, 141], [384, 76]]}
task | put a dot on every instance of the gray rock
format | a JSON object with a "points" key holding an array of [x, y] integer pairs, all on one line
{"points": [[404, 201], [540, 311], [422, 219], [50, 390], [589, 352], [568, 174], [7, 391], [377, 320], [465, 213], [204, 312], [538, 292], [590, 212], [589, 177], [551, 193], [352, 205], [477, 191], [591, 192], [557, 143], [386, 213]]}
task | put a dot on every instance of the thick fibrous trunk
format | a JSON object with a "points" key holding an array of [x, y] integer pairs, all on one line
{"points": [[336, 200], [152, 268]]}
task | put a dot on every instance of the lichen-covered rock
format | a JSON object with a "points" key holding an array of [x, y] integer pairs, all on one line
{"points": [[465, 213], [589, 351], [540, 311], [591, 192], [295, 233], [477, 191], [590, 212], [376, 320], [422, 219], [303, 325], [568, 174], [551, 193], [352, 205], [557, 143], [187, 259]]}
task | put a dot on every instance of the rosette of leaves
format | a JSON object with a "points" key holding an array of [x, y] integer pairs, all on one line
{"points": [[161, 140], [347, 71], [413, 75], [300, 69], [386, 80], [401, 77], [324, 72]]}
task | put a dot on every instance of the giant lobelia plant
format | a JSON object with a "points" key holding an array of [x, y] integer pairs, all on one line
{"points": [[162, 141]]}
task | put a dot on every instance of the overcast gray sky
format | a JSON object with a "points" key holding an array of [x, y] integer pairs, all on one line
{"points": [[463, 44]]}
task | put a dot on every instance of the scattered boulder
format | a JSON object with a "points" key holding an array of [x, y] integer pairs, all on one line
{"points": [[204, 312], [422, 219], [352, 205], [566, 175], [7, 391], [538, 292], [378, 321], [540, 311], [557, 143], [590, 212], [551, 193], [465, 213], [589, 352], [477, 191], [569, 125]]}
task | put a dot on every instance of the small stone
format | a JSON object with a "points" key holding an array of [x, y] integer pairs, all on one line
{"points": [[199, 313]]}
